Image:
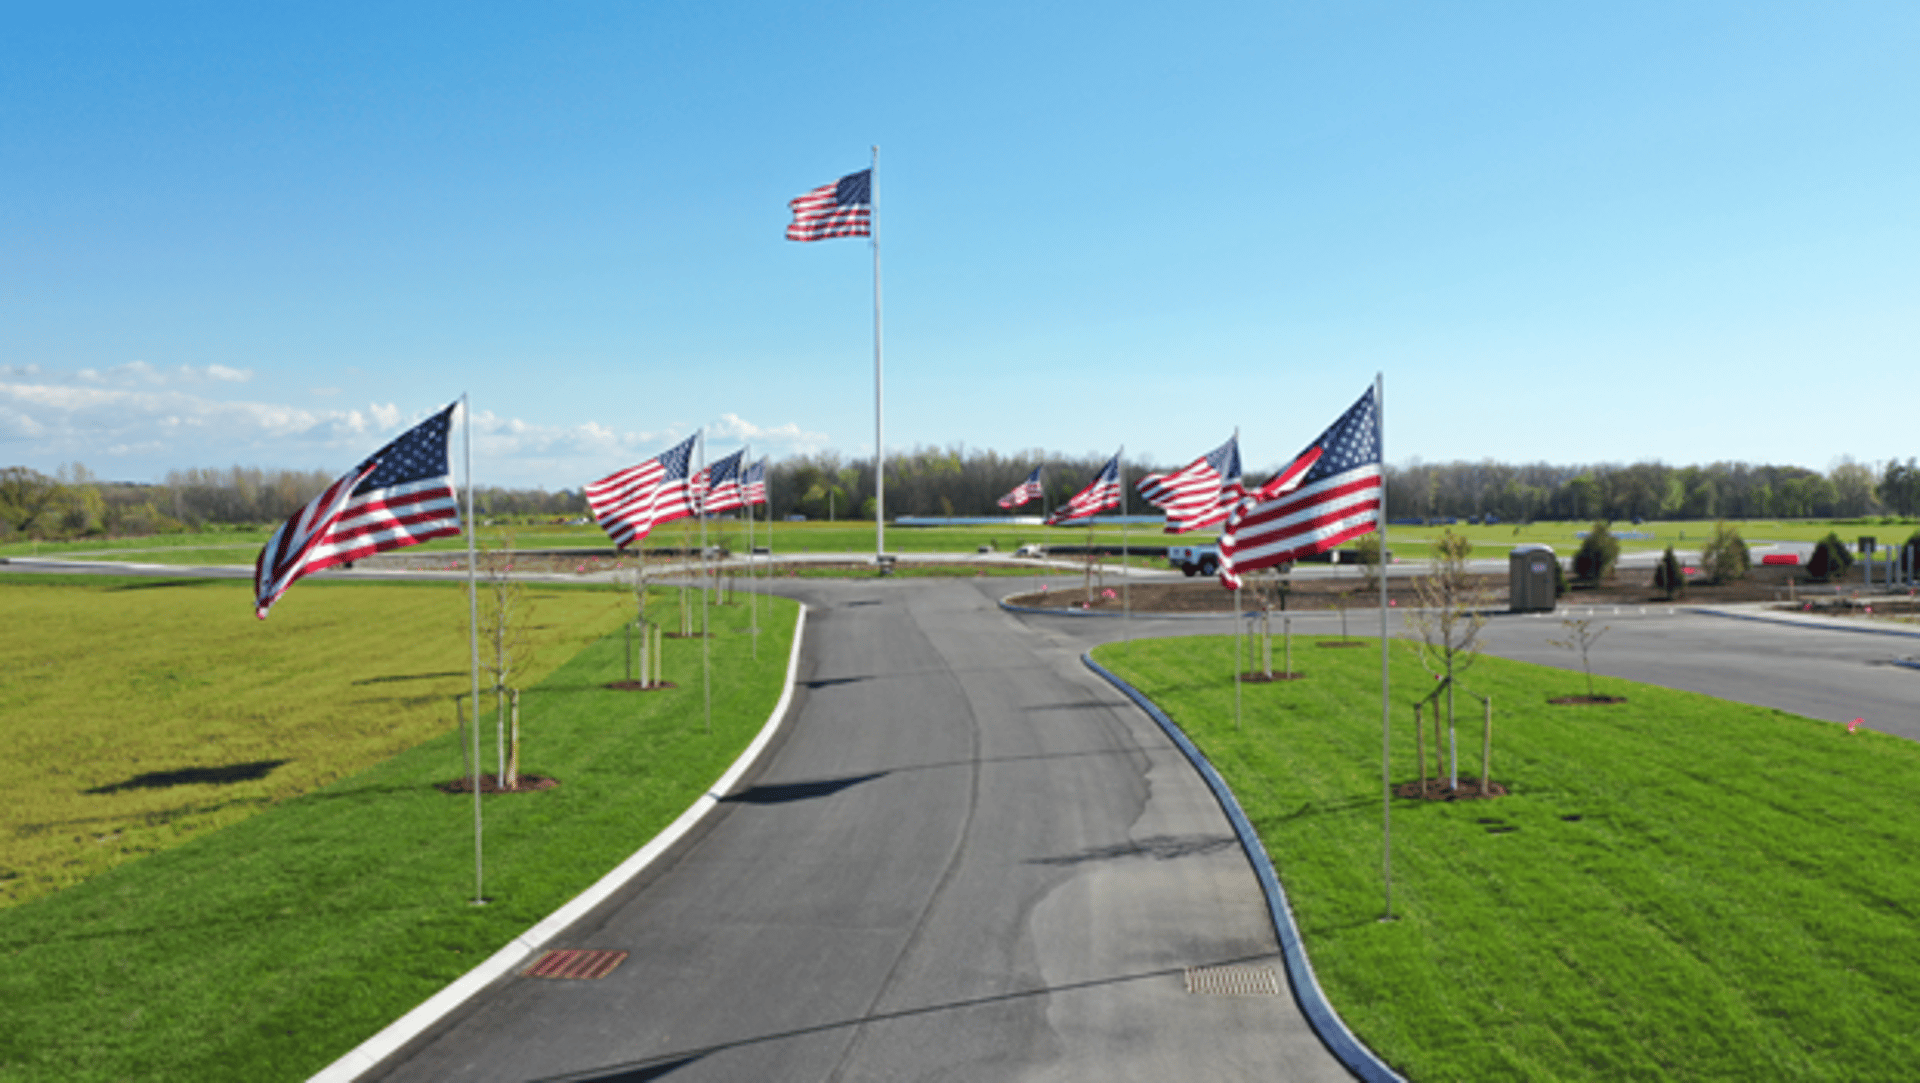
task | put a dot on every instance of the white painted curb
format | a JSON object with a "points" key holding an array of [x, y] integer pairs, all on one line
{"points": [[436, 1007]]}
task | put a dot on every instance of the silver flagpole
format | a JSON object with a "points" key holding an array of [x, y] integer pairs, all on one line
{"points": [[1386, 705], [706, 602], [879, 383], [473, 644], [1126, 574], [753, 581]]}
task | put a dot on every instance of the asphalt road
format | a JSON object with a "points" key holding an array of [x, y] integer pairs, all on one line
{"points": [[969, 859]]}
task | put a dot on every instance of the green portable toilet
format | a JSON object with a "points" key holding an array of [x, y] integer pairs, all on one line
{"points": [[1530, 579]]}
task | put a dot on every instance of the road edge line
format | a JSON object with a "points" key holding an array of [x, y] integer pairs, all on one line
{"points": [[1819, 625], [389, 1040], [1326, 1022]]}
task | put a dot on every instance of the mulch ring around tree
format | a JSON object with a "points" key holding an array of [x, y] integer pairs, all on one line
{"points": [[1575, 701], [1436, 789], [491, 784], [639, 686], [1339, 643], [1261, 676]]}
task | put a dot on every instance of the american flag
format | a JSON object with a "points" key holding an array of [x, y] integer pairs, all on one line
{"points": [[1201, 493], [1102, 493], [753, 483], [635, 500], [1327, 495], [401, 495], [1025, 491], [841, 209], [722, 491]]}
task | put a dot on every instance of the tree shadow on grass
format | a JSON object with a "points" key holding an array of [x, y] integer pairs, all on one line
{"points": [[160, 584], [189, 776], [410, 677]]}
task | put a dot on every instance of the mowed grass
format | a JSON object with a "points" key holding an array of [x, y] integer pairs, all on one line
{"points": [[265, 950], [141, 712], [240, 546], [1737, 899]]}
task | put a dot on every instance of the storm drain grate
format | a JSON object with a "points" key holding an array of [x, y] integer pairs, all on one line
{"points": [[1233, 981], [576, 963]]}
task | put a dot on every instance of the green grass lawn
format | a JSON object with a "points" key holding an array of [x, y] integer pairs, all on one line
{"points": [[111, 687], [1736, 900], [239, 546], [265, 950]]}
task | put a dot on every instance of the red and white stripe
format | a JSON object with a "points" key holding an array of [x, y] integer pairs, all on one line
{"points": [[1279, 523], [1194, 496], [337, 527], [817, 215], [633, 501]]}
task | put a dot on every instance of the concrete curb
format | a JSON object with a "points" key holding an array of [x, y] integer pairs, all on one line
{"points": [[1326, 1023], [371, 1052]]}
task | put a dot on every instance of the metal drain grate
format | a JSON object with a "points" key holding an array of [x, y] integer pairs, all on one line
{"points": [[1233, 981], [575, 963]]}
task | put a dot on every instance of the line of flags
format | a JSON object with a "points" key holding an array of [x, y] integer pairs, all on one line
{"points": [[403, 495], [1329, 494]]}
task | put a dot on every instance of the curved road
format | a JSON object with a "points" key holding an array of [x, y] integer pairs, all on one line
{"points": [[969, 859]]}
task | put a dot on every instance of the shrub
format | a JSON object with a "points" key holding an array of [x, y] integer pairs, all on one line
{"points": [[1668, 575], [1830, 559], [1724, 557], [1598, 552]]}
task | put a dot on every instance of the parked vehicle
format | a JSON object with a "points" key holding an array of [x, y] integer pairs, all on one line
{"points": [[1194, 559]]}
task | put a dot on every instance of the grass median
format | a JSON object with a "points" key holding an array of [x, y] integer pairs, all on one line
{"points": [[266, 949], [1678, 887]]}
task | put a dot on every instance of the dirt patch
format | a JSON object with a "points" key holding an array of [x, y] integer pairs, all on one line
{"points": [[1436, 789], [491, 784], [1764, 584], [1261, 676], [639, 686]]}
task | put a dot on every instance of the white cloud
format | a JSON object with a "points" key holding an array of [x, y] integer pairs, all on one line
{"points": [[134, 374], [137, 422], [788, 438]]}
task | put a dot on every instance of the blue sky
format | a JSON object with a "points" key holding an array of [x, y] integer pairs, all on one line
{"points": [[1572, 233]]}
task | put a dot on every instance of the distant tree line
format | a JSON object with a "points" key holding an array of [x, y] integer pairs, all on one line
{"points": [[966, 483]]}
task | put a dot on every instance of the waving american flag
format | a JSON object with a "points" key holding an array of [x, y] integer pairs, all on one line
{"points": [[1100, 494], [723, 491], [1200, 493], [635, 500], [400, 495], [753, 483], [1329, 494], [841, 209], [1025, 491]]}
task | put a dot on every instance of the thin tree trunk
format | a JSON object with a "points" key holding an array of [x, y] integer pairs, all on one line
{"points": [[1420, 748], [1439, 746], [1486, 750], [513, 760]]}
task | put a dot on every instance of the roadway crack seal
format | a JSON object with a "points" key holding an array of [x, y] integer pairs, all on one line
{"points": [[368, 1054], [1326, 1023]]}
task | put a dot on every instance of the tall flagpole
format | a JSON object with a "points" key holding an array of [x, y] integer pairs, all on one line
{"points": [[473, 643], [1386, 705], [706, 602], [1126, 573], [879, 384], [753, 581]]}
